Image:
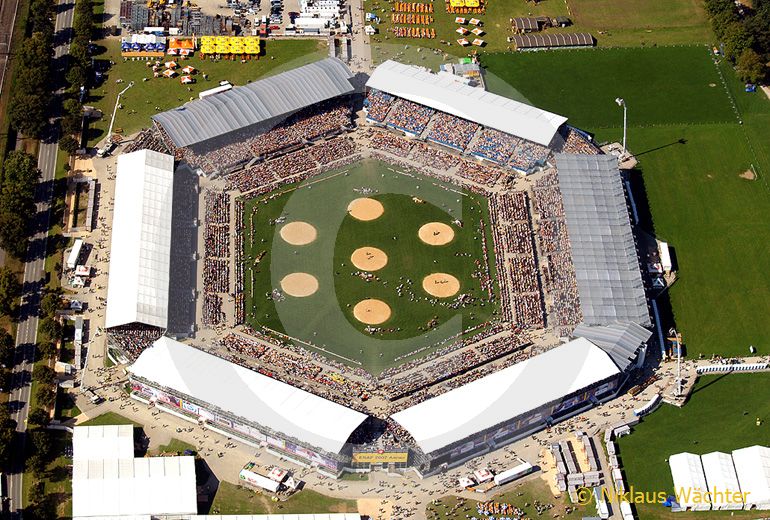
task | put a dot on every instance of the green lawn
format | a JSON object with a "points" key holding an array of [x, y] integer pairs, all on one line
{"points": [[57, 476], [326, 317], [176, 446], [107, 419], [146, 97], [661, 86], [523, 496], [232, 500], [720, 416], [630, 23]]}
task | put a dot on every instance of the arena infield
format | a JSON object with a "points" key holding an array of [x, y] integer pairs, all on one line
{"points": [[389, 245]]}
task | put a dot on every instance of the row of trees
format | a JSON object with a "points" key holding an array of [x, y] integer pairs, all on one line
{"points": [[31, 90], [77, 74], [17, 201], [745, 34]]}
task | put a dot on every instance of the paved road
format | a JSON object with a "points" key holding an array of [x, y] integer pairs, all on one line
{"points": [[8, 10], [34, 279]]}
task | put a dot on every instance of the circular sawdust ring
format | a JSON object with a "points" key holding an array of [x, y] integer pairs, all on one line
{"points": [[366, 209], [372, 311], [299, 285], [441, 285], [369, 258], [436, 233], [298, 233]]}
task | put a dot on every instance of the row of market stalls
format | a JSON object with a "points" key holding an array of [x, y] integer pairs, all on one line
{"points": [[142, 45]]}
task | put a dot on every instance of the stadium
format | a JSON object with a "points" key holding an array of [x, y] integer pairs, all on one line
{"points": [[403, 274]]}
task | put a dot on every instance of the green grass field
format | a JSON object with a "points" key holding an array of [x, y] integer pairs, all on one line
{"points": [[107, 419], [631, 23], [140, 102], [234, 500], [720, 416], [326, 317], [661, 86]]}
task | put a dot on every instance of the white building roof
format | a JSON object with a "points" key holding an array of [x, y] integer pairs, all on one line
{"points": [[689, 480], [248, 394], [506, 394], [140, 253], [99, 442], [720, 476], [142, 486], [752, 466], [449, 94], [317, 516]]}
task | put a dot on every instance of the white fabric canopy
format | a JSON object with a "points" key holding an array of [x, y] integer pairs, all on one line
{"points": [[752, 465], [99, 442], [722, 480], [248, 394], [140, 254], [689, 481], [449, 94], [506, 394]]}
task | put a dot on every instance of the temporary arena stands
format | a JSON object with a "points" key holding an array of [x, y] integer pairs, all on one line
{"points": [[603, 246], [502, 407], [257, 103], [254, 407], [447, 93], [140, 254], [547, 41]]}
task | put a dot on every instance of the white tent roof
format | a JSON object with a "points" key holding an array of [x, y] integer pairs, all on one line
{"points": [[687, 473], [141, 240], [248, 394], [720, 476], [143, 486], [99, 442], [506, 394], [449, 94], [318, 516], [752, 465]]}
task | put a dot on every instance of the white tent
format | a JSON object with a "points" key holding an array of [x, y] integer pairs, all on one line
{"points": [[722, 480], [255, 479], [689, 481], [248, 394], [449, 94], [752, 465], [508, 393], [99, 442], [140, 254]]}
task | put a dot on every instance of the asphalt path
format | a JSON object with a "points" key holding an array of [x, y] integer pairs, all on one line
{"points": [[34, 281]]}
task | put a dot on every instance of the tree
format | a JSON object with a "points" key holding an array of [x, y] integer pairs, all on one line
{"points": [[750, 67], [736, 39], [51, 302], [69, 144], [39, 417], [46, 349], [10, 291], [7, 348], [51, 329], [44, 375], [6, 379], [7, 434], [46, 396]]}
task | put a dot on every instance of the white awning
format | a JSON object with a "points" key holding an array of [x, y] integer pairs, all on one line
{"points": [[506, 394], [248, 394], [449, 94], [140, 253], [752, 465]]}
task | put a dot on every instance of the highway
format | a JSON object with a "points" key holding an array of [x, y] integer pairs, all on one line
{"points": [[34, 280]]}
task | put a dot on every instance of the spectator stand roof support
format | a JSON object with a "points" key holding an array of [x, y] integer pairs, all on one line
{"points": [[447, 93], [259, 102], [604, 251]]}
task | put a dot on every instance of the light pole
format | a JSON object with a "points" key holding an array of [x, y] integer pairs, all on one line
{"points": [[622, 103]]}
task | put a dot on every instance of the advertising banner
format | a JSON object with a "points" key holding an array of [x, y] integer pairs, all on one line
{"points": [[380, 457]]}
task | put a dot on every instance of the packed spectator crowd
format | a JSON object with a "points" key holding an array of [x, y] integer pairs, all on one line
{"points": [[132, 339], [494, 145], [452, 131], [409, 117], [575, 142]]}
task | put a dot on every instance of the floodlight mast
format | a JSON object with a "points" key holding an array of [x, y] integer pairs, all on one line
{"points": [[622, 103], [115, 110]]}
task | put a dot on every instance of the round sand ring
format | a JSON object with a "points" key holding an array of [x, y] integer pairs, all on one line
{"points": [[371, 311], [369, 258], [299, 285], [366, 209], [441, 285], [436, 233], [298, 233]]}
